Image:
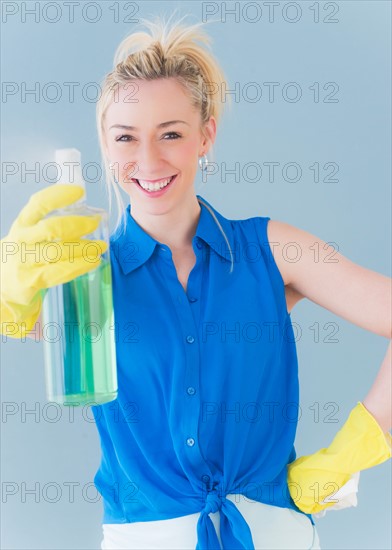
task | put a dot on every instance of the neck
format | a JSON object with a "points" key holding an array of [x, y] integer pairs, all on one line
{"points": [[175, 227]]}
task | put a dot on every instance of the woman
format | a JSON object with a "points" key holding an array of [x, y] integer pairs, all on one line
{"points": [[198, 448]]}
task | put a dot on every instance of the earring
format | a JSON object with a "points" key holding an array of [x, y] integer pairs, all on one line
{"points": [[203, 163]]}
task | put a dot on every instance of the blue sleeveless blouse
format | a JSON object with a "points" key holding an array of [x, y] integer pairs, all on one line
{"points": [[208, 392]]}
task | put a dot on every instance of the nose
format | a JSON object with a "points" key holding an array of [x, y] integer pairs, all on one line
{"points": [[148, 161]]}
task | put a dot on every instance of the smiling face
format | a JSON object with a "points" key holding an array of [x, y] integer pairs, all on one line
{"points": [[154, 138]]}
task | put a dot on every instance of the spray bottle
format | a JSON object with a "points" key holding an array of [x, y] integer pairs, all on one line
{"points": [[78, 319]]}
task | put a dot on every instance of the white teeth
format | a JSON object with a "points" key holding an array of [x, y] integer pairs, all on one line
{"points": [[155, 186]]}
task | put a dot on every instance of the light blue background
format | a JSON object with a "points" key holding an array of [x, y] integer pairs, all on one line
{"points": [[354, 213]]}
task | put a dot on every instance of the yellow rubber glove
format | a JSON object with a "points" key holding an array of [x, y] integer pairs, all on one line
{"points": [[40, 253], [358, 445]]}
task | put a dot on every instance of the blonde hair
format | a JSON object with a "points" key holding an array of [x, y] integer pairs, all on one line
{"points": [[169, 50]]}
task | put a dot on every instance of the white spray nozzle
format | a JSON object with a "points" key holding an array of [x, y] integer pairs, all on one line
{"points": [[69, 167]]}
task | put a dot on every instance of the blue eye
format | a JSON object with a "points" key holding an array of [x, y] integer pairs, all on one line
{"points": [[173, 134], [123, 136]]}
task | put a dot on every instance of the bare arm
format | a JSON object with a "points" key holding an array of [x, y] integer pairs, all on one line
{"points": [[357, 294], [379, 399]]}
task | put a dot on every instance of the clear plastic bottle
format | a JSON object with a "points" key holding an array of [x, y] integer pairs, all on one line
{"points": [[78, 319]]}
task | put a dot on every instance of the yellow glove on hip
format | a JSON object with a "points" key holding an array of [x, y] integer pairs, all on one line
{"points": [[40, 253], [358, 445]]}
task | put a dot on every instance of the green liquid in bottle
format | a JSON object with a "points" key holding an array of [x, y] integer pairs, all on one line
{"points": [[79, 340]]}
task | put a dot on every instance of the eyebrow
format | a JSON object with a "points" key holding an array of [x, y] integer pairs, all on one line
{"points": [[161, 125]]}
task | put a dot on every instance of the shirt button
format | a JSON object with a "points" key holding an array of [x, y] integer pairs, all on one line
{"points": [[199, 245], [192, 300], [190, 339], [205, 478], [190, 442], [191, 390]]}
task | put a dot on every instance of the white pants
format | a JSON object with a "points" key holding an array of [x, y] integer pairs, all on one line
{"points": [[272, 528]]}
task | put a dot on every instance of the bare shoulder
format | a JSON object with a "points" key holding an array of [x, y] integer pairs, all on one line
{"points": [[294, 249], [280, 237], [286, 242]]}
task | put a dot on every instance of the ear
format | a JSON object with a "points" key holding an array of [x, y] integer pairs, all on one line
{"points": [[210, 131]]}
